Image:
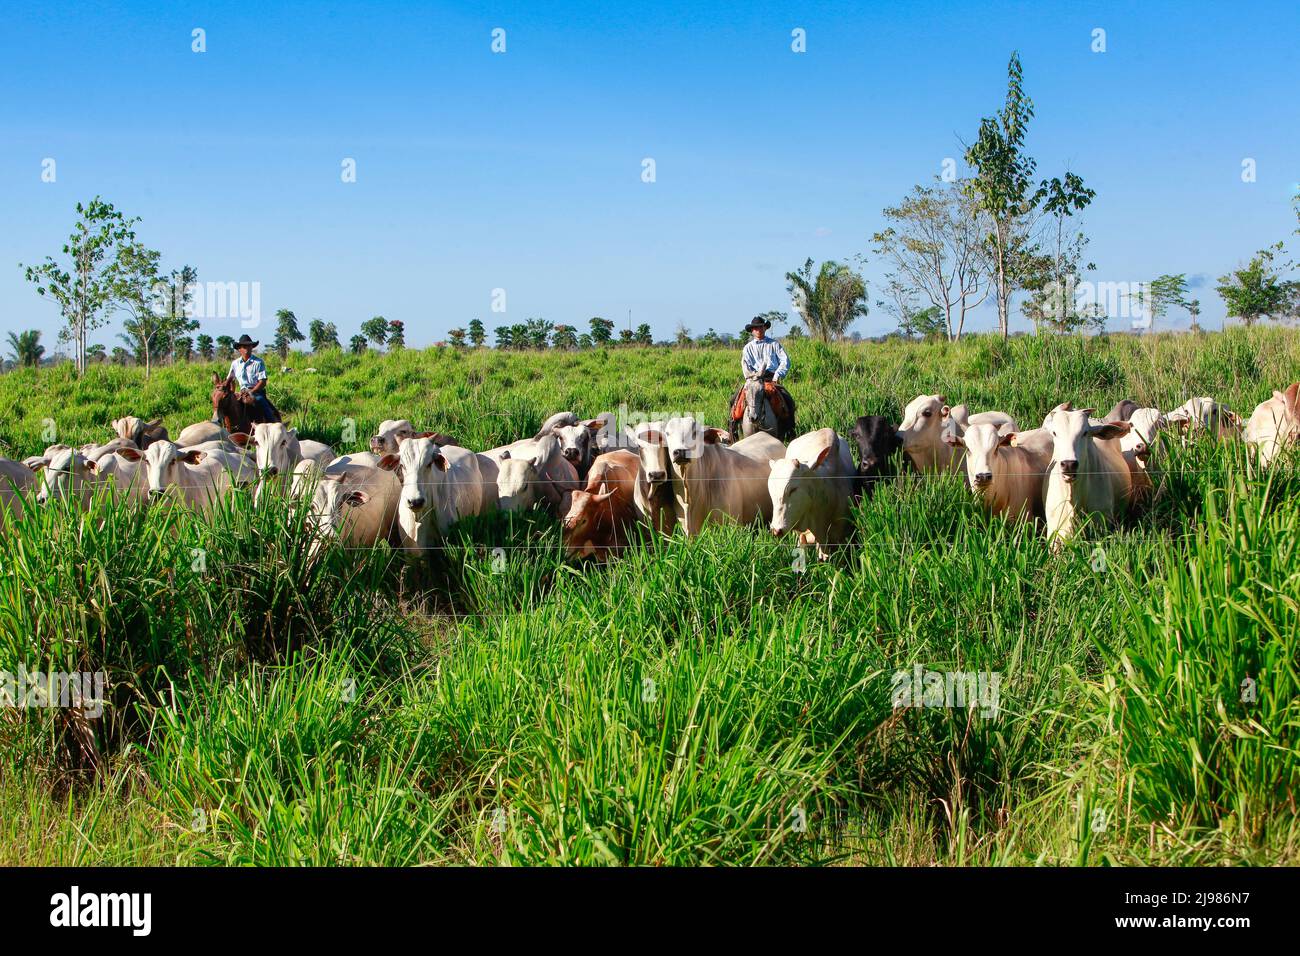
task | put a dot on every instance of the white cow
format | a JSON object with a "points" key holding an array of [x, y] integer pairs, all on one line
{"points": [[440, 485], [199, 477], [279, 450], [654, 487], [812, 490], [71, 475], [534, 471], [1087, 475], [712, 481], [139, 432], [1205, 413], [15, 478], [1005, 468], [1274, 424], [352, 500], [928, 418], [392, 432], [200, 432]]}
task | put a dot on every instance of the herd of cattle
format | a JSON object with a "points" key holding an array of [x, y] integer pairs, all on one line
{"points": [[602, 480]]}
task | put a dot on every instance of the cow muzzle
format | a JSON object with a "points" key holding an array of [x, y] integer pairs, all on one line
{"points": [[1069, 470], [983, 479], [656, 476], [415, 504], [570, 454]]}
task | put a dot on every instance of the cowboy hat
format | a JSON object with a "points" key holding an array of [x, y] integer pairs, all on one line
{"points": [[245, 340], [758, 322]]}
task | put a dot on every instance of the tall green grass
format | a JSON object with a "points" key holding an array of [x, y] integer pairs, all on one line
{"points": [[693, 702]]}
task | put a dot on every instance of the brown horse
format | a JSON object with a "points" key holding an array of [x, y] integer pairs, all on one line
{"points": [[238, 411]]}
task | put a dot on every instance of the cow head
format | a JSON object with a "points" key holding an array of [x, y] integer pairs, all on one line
{"points": [[652, 448], [1072, 433], [577, 441], [982, 444], [421, 467], [278, 450], [922, 421], [877, 441], [1145, 425], [793, 494], [390, 436], [162, 460], [64, 476], [517, 479]]}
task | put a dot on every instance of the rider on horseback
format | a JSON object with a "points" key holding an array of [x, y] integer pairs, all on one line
{"points": [[763, 359], [249, 373]]}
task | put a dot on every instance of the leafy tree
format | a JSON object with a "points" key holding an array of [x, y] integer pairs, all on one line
{"points": [[830, 302], [96, 353], [602, 330], [913, 321], [1003, 188], [537, 333], [796, 332], [1194, 310], [625, 336], [1257, 290], [564, 337], [183, 348], [120, 356], [643, 334], [357, 344], [204, 346], [505, 337], [85, 286], [324, 335], [935, 242], [375, 330], [396, 335], [1052, 276], [225, 346], [585, 341], [457, 337], [477, 334], [176, 293], [286, 332], [682, 337], [26, 348], [138, 291]]}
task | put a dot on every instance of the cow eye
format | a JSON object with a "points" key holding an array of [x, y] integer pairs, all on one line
{"points": [[927, 413]]}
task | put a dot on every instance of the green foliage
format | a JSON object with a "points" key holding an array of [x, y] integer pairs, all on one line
{"points": [[1258, 290]]}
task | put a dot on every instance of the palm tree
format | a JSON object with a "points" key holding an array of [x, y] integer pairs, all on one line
{"points": [[830, 302], [26, 347]]}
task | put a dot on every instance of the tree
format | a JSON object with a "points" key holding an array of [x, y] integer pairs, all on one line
{"points": [[1257, 290], [682, 337], [936, 245], [602, 330], [477, 334], [504, 337], [396, 335], [643, 334], [913, 321], [831, 302], [537, 333], [96, 353], [624, 336], [357, 344], [375, 330], [183, 348], [1004, 190], [203, 345], [1052, 276], [1160, 293], [457, 337], [120, 356], [1194, 310], [225, 346], [85, 287], [286, 332], [26, 348], [323, 335], [564, 337], [795, 332], [585, 341], [176, 293]]}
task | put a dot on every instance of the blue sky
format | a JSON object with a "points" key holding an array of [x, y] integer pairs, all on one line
{"points": [[522, 170]]}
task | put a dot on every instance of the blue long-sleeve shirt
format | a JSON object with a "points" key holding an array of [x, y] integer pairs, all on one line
{"points": [[764, 355]]}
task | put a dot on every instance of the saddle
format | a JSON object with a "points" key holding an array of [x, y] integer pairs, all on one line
{"points": [[775, 398]]}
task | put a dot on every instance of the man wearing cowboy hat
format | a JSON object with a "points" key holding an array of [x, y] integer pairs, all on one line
{"points": [[764, 358], [249, 373]]}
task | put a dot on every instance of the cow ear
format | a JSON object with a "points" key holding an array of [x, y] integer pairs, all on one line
{"points": [[38, 464], [954, 440], [388, 462], [130, 454], [1006, 440], [943, 400], [293, 432], [153, 423], [1109, 430], [1088, 411], [651, 437], [440, 461], [944, 412], [1292, 398], [822, 457], [241, 438], [423, 435], [594, 424], [716, 436], [91, 466], [193, 457], [355, 499]]}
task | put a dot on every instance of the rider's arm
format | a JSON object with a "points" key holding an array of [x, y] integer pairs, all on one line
{"points": [[783, 361], [260, 384], [747, 367]]}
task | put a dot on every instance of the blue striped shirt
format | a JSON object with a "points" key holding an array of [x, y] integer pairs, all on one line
{"points": [[764, 355]]}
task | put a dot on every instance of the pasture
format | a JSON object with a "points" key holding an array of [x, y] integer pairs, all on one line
{"points": [[712, 701]]}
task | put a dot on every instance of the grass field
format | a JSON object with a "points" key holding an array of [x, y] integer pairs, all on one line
{"points": [[700, 702]]}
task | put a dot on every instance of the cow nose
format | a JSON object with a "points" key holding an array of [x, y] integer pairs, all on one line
{"points": [[570, 454], [1140, 448], [41, 499], [869, 463], [1069, 466], [272, 470], [657, 475], [679, 455], [376, 444], [155, 492], [415, 504], [983, 478], [777, 532]]}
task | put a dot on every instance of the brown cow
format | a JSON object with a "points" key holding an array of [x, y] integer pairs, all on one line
{"points": [[601, 514]]}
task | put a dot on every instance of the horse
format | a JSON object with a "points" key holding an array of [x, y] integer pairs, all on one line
{"points": [[236, 413], [758, 413]]}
